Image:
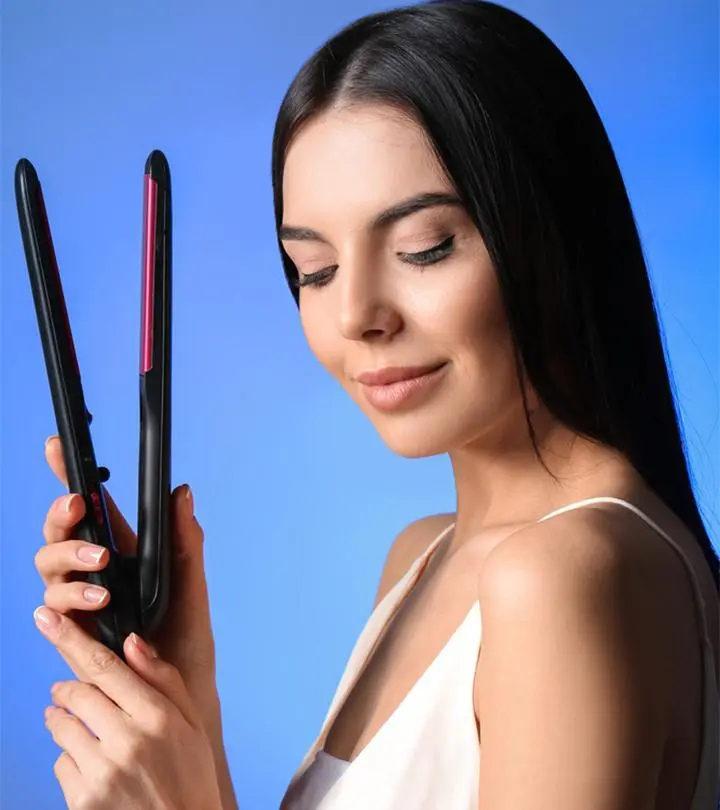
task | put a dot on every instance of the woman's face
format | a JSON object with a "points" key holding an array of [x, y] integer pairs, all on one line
{"points": [[399, 300]]}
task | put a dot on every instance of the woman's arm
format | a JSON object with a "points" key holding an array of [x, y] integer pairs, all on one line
{"points": [[214, 730], [570, 688]]}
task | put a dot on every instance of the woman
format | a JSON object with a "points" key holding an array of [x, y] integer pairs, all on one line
{"points": [[456, 233]]}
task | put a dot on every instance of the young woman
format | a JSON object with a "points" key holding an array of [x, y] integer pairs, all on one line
{"points": [[456, 232]]}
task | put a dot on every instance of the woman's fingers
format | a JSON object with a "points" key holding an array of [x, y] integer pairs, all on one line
{"points": [[67, 596], [92, 662], [123, 534], [62, 517], [54, 457], [92, 708], [165, 677], [73, 737], [54, 562]]}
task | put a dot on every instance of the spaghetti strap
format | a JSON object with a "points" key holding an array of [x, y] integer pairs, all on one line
{"points": [[367, 642], [426, 755], [699, 598], [708, 777]]}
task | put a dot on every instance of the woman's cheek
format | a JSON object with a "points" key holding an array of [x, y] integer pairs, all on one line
{"points": [[324, 342]]}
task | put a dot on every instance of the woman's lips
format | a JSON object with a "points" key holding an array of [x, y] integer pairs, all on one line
{"points": [[393, 388]]}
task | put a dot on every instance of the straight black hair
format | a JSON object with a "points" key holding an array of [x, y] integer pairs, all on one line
{"points": [[520, 139]]}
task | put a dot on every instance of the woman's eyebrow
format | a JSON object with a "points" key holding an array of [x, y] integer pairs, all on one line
{"points": [[429, 199]]}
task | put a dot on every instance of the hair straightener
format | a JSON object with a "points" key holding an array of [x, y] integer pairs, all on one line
{"points": [[139, 586]]}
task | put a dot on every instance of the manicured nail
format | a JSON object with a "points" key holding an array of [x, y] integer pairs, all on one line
{"points": [[91, 554], [95, 595], [49, 439], [46, 619], [68, 502], [142, 647], [190, 500]]}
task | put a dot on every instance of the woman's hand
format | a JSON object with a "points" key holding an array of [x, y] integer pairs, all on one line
{"points": [[131, 736], [184, 639]]}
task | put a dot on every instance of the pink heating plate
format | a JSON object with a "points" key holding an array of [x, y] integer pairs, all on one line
{"points": [[148, 286]]}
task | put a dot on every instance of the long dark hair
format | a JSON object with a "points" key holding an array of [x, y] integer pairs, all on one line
{"points": [[520, 138]]}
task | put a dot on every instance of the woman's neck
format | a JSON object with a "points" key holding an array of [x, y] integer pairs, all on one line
{"points": [[500, 481]]}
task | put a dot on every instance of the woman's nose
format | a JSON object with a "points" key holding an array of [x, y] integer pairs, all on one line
{"points": [[367, 311]]}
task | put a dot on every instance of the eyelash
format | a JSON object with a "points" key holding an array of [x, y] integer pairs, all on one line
{"points": [[424, 258]]}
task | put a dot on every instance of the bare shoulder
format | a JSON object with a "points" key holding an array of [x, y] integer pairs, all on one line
{"points": [[575, 550], [410, 544], [605, 564], [595, 554], [571, 631]]}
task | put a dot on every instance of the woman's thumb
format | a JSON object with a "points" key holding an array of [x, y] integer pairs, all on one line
{"points": [[188, 561], [186, 637], [165, 677]]}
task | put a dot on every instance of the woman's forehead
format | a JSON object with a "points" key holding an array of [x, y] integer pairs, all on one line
{"points": [[357, 161]]}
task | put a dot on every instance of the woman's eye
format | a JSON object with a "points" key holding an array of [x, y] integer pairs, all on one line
{"points": [[317, 279], [421, 259], [432, 255]]}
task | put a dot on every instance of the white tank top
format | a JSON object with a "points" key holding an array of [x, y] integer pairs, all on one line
{"points": [[427, 755]]}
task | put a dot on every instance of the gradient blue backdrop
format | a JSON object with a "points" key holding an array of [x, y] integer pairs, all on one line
{"points": [[298, 497]]}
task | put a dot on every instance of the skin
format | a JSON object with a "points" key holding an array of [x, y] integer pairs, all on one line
{"points": [[592, 724], [609, 718], [130, 710], [184, 645]]}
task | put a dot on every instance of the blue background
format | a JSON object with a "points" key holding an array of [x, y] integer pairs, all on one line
{"points": [[298, 498]]}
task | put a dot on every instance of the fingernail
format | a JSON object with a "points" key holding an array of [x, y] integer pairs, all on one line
{"points": [[91, 555], [95, 595], [189, 498], [67, 503], [49, 439], [46, 619], [142, 647]]}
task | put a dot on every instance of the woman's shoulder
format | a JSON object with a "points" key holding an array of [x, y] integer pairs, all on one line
{"points": [[574, 625], [582, 550], [410, 543], [601, 565]]}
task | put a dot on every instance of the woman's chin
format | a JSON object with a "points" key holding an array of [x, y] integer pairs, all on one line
{"points": [[415, 440], [429, 432]]}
